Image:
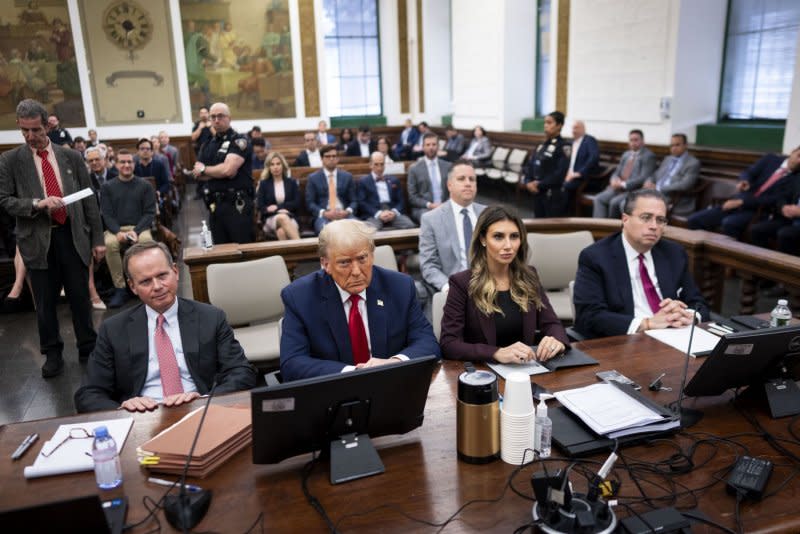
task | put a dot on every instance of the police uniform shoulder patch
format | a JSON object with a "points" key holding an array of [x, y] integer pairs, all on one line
{"points": [[539, 148], [241, 142], [568, 150]]}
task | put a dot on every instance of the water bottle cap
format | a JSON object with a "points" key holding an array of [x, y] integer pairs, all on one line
{"points": [[541, 409], [101, 432], [783, 302]]}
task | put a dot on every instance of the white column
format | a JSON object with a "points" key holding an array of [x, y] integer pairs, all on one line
{"points": [[493, 62]]}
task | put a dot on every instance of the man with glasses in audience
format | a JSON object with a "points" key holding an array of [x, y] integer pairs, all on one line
{"points": [[225, 164], [634, 281], [330, 192]]}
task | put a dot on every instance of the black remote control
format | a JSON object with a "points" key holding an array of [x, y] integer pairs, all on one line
{"points": [[749, 477]]}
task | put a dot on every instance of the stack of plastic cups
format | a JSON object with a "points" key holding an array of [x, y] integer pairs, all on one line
{"points": [[517, 419]]}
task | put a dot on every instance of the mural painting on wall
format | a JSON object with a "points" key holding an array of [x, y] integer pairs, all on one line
{"points": [[240, 53], [37, 60]]}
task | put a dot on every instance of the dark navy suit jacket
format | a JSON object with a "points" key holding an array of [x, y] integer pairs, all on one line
{"points": [[759, 173], [588, 157], [266, 196], [603, 295], [368, 200], [354, 148], [302, 160], [317, 191], [315, 339]]}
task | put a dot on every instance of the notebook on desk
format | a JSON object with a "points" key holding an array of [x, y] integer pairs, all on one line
{"points": [[73, 516]]}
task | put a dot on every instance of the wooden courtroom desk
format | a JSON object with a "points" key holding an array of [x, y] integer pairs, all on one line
{"points": [[423, 476]]}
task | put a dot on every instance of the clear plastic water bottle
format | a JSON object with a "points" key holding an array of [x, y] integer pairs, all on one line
{"points": [[543, 431], [107, 468], [781, 314], [205, 237]]}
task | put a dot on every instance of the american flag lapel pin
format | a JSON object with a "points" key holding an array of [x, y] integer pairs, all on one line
{"points": [[380, 302]]}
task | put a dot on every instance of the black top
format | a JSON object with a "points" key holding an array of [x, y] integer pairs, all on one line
{"points": [[205, 136], [508, 325], [214, 153], [131, 203], [549, 164]]}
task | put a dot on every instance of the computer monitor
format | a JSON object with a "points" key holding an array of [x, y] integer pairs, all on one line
{"points": [[743, 359], [339, 413]]}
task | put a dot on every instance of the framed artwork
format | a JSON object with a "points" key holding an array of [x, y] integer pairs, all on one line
{"points": [[132, 66], [240, 53], [37, 60]]}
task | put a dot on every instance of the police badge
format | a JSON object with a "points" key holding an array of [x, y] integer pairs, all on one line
{"points": [[241, 142], [568, 150]]}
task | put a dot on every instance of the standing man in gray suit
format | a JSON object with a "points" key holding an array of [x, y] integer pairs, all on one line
{"points": [[427, 179], [446, 231], [636, 165], [56, 241], [678, 172]]}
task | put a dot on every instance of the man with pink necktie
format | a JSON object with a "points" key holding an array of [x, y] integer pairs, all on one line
{"points": [[167, 350], [766, 183], [634, 281]]}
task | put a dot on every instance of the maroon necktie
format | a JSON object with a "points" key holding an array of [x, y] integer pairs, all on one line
{"points": [[52, 189], [167, 362], [649, 289], [358, 336]]}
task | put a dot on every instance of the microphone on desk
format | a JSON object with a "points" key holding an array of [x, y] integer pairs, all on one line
{"points": [[688, 416], [185, 510]]}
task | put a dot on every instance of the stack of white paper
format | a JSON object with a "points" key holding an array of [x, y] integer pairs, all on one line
{"points": [[702, 340]]}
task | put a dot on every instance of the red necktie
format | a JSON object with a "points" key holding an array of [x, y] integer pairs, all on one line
{"points": [[52, 189], [358, 336], [777, 175], [649, 289], [167, 363]]}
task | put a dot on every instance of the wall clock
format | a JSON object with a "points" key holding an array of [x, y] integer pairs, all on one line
{"points": [[128, 26]]}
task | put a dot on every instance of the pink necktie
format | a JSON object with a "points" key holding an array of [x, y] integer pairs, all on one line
{"points": [[777, 175], [52, 189], [358, 336], [649, 288], [167, 363]]}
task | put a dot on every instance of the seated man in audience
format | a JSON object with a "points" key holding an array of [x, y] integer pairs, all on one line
{"points": [[79, 144], [149, 167], [171, 152], [445, 232], [677, 173], [427, 179], [350, 315], [784, 224], [409, 137], [635, 166], [417, 150], [323, 136], [454, 146], [330, 192], [167, 350], [99, 172], [128, 206], [634, 281], [380, 198], [584, 160], [310, 156], [363, 145], [92, 140], [159, 155], [766, 183], [259, 153]]}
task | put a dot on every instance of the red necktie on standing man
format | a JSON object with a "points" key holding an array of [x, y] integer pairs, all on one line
{"points": [[52, 189]]}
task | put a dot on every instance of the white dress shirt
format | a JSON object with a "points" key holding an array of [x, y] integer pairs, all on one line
{"points": [[576, 145], [459, 218], [152, 382], [641, 308], [314, 158]]}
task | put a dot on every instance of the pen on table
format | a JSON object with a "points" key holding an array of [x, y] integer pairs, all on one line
{"points": [[162, 482], [24, 446]]}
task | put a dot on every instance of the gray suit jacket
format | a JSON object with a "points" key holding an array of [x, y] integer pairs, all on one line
{"points": [[20, 184], [117, 368], [439, 250], [419, 183], [683, 180], [643, 167]]}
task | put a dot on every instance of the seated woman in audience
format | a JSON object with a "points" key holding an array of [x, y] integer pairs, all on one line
{"points": [[345, 138], [384, 148], [278, 198], [495, 308], [480, 147]]}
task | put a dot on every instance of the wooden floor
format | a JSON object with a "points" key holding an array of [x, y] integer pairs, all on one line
{"points": [[25, 395]]}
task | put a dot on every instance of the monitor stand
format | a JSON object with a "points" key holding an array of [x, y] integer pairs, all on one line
{"points": [[783, 396], [354, 456]]}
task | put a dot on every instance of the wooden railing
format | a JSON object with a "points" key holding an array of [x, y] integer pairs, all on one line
{"points": [[710, 254]]}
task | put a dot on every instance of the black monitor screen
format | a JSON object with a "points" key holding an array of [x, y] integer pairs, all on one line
{"points": [[743, 359], [306, 415]]}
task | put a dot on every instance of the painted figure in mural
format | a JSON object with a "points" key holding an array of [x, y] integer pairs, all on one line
{"points": [[197, 54], [229, 42]]}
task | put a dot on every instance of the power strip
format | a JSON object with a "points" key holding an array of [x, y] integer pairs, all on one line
{"points": [[749, 477]]}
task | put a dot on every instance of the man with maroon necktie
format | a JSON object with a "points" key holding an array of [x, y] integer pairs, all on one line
{"points": [[56, 240]]}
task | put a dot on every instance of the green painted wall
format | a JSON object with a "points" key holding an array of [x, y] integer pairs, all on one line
{"points": [[533, 125], [752, 136], [355, 122]]}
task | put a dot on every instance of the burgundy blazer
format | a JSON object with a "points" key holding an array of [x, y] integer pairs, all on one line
{"points": [[468, 334]]}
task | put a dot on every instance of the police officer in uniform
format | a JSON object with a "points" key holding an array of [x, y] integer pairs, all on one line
{"points": [[547, 168], [224, 163]]}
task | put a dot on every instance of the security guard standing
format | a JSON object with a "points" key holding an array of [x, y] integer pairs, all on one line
{"points": [[224, 163], [547, 168]]}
